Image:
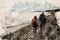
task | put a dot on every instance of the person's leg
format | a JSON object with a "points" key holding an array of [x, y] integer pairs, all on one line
{"points": [[34, 30], [43, 29], [40, 27]]}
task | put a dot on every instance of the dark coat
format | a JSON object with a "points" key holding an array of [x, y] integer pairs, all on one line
{"points": [[42, 18]]}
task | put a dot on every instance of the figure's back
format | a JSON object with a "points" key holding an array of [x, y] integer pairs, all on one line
{"points": [[34, 21], [42, 18]]}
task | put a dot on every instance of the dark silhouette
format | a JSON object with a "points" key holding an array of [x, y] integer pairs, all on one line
{"points": [[42, 19], [34, 24]]}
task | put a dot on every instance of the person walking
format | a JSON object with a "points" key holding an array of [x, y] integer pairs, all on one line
{"points": [[42, 20], [34, 23]]}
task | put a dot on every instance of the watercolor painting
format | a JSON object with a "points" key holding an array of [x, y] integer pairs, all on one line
{"points": [[17, 17]]}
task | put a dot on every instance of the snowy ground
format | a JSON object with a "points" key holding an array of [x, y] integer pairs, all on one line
{"points": [[26, 33], [22, 17], [12, 19], [57, 14]]}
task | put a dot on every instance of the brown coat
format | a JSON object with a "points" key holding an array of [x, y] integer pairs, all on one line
{"points": [[34, 21]]}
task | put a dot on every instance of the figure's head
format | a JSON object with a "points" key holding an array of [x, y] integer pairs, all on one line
{"points": [[35, 16], [42, 12]]}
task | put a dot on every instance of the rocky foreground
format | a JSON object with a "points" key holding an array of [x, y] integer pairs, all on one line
{"points": [[51, 32]]}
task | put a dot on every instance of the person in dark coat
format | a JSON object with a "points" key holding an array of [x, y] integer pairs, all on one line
{"points": [[42, 19], [34, 23]]}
